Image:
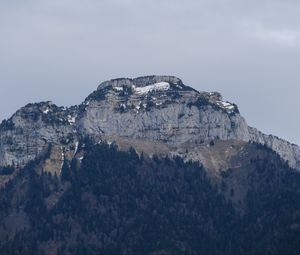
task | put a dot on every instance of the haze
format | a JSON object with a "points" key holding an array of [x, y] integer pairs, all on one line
{"points": [[60, 50]]}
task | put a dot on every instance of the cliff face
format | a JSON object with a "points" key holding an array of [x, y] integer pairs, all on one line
{"points": [[30, 130], [160, 109], [287, 151], [150, 109]]}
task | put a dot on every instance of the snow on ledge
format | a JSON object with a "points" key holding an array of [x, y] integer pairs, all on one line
{"points": [[118, 88], [46, 111], [226, 105], [160, 86]]}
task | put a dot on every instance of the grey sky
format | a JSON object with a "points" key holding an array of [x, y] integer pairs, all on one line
{"points": [[60, 50]]}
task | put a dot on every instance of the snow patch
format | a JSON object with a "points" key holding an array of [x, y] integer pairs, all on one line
{"points": [[118, 88], [138, 106], [71, 119], [46, 111], [80, 159], [62, 158], [123, 106], [226, 105], [160, 86], [62, 154], [76, 148]]}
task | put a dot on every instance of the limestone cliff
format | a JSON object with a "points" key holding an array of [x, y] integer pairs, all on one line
{"points": [[151, 109]]}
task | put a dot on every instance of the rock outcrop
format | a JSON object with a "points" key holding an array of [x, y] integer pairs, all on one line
{"points": [[286, 150], [153, 108], [31, 129]]}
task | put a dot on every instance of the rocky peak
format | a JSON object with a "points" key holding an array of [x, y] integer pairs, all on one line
{"points": [[141, 81], [41, 114], [156, 91], [32, 129], [141, 86], [44, 111]]}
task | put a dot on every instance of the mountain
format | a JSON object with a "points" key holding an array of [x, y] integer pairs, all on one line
{"points": [[152, 111], [146, 166]]}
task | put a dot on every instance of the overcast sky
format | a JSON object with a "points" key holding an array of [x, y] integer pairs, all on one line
{"points": [[60, 50]]}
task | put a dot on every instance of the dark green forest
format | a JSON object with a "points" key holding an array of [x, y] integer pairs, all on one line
{"points": [[118, 202]]}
